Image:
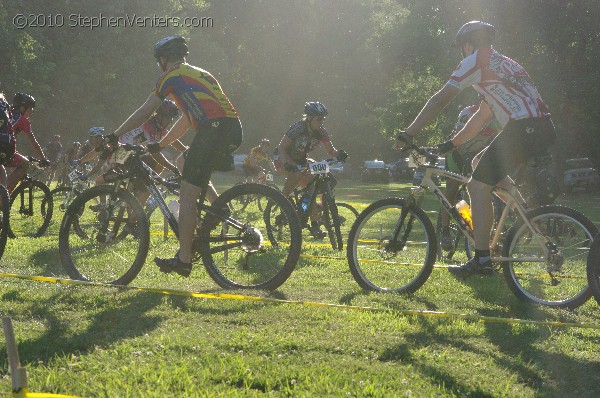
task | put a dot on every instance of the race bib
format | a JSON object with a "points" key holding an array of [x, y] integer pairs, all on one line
{"points": [[74, 175], [121, 155], [319, 168]]}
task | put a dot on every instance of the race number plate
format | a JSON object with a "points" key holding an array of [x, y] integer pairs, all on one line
{"points": [[121, 155], [319, 168], [74, 175]]}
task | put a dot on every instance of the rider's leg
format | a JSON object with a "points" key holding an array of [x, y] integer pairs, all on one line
{"points": [[17, 174], [451, 194], [188, 197]]}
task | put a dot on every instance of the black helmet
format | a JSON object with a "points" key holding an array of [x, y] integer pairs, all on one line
{"points": [[315, 109], [172, 46], [476, 32], [168, 108], [22, 99]]}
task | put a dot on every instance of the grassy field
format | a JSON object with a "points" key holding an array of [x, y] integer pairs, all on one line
{"points": [[119, 342]]}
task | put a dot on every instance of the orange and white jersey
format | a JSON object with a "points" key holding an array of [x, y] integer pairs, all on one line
{"points": [[502, 82]]}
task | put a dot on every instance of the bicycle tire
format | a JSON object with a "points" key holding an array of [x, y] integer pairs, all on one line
{"points": [[593, 268], [247, 263], [367, 250], [262, 201], [347, 215], [572, 233], [104, 255], [35, 224], [5, 220], [332, 222]]}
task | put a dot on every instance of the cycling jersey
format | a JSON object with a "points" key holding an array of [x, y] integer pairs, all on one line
{"points": [[504, 84], [256, 156], [148, 133], [21, 124], [476, 144], [301, 145], [196, 92]]}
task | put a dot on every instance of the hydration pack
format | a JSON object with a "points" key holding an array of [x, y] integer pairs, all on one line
{"points": [[7, 137]]}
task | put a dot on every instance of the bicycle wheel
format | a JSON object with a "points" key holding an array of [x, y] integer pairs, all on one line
{"points": [[380, 262], [103, 253], [4, 218], [593, 269], [557, 281], [241, 202], [30, 215], [347, 215], [234, 251], [331, 220], [262, 200]]}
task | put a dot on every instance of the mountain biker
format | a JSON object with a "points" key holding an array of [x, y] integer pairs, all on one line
{"points": [[301, 138], [459, 161], [257, 156], [508, 94], [22, 109], [53, 151], [218, 132]]}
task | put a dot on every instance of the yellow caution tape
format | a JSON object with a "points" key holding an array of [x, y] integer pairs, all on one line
{"points": [[227, 296], [24, 393]]}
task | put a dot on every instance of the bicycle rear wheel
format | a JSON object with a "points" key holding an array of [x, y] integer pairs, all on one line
{"points": [[380, 262], [235, 251], [92, 242], [4, 218], [30, 215], [560, 280]]}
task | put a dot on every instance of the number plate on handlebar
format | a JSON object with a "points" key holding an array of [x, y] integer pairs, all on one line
{"points": [[74, 175], [319, 168], [121, 155]]}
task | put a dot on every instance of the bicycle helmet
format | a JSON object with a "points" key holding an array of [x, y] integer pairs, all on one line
{"points": [[22, 99], [96, 131], [172, 46], [315, 109], [168, 108], [476, 32]]}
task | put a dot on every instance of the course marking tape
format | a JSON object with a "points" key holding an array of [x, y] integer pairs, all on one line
{"points": [[227, 296]]}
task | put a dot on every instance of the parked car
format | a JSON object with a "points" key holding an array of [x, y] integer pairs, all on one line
{"points": [[400, 170], [376, 171], [580, 173], [419, 173]]}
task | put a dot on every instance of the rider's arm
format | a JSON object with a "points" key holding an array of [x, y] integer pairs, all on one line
{"points": [[178, 146], [434, 106], [283, 155], [96, 168], [329, 149], [36, 146], [474, 125], [177, 131], [138, 117], [88, 157], [163, 161]]}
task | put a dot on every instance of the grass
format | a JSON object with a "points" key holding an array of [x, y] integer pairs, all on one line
{"points": [[111, 342]]}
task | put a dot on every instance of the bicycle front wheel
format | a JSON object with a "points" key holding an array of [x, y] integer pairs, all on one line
{"points": [[560, 278], [104, 236], [331, 220], [4, 218], [593, 269], [392, 247], [347, 215], [236, 249], [31, 208]]}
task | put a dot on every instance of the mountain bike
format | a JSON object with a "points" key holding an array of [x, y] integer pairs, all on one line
{"points": [[392, 244], [31, 206], [4, 218], [328, 210], [230, 240], [266, 179], [593, 268]]}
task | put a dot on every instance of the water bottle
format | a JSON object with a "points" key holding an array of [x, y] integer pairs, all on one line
{"points": [[305, 202], [465, 212], [174, 208]]}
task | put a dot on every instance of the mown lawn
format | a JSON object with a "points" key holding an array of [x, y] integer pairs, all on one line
{"points": [[118, 342]]}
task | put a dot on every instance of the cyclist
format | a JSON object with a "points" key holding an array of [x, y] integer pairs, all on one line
{"points": [[459, 161], [218, 133], [257, 156], [301, 138], [53, 150], [22, 109], [510, 95]]}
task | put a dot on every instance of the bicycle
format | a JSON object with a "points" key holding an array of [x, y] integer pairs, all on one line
{"points": [[31, 206], [4, 218], [392, 244], [322, 185], [593, 268], [229, 241], [266, 179]]}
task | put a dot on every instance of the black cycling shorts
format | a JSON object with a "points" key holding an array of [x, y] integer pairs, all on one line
{"points": [[519, 141], [212, 149]]}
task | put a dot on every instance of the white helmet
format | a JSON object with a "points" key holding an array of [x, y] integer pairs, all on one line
{"points": [[96, 131]]}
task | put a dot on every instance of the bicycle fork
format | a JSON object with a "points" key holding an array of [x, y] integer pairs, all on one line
{"points": [[396, 243]]}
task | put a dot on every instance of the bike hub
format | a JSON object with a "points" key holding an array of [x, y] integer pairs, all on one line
{"points": [[251, 239]]}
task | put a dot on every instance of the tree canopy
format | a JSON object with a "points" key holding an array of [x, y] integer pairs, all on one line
{"points": [[373, 63]]}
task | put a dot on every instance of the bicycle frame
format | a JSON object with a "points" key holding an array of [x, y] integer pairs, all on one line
{"points": [[318, 185], [427, 183]]}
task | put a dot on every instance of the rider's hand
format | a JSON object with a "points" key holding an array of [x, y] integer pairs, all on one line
{"points": [[111, 139], [342, 155], [154, 147], [444, 147], [402, 139]]}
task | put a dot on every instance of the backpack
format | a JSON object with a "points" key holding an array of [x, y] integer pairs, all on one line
{"points": [[7, 137]]}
